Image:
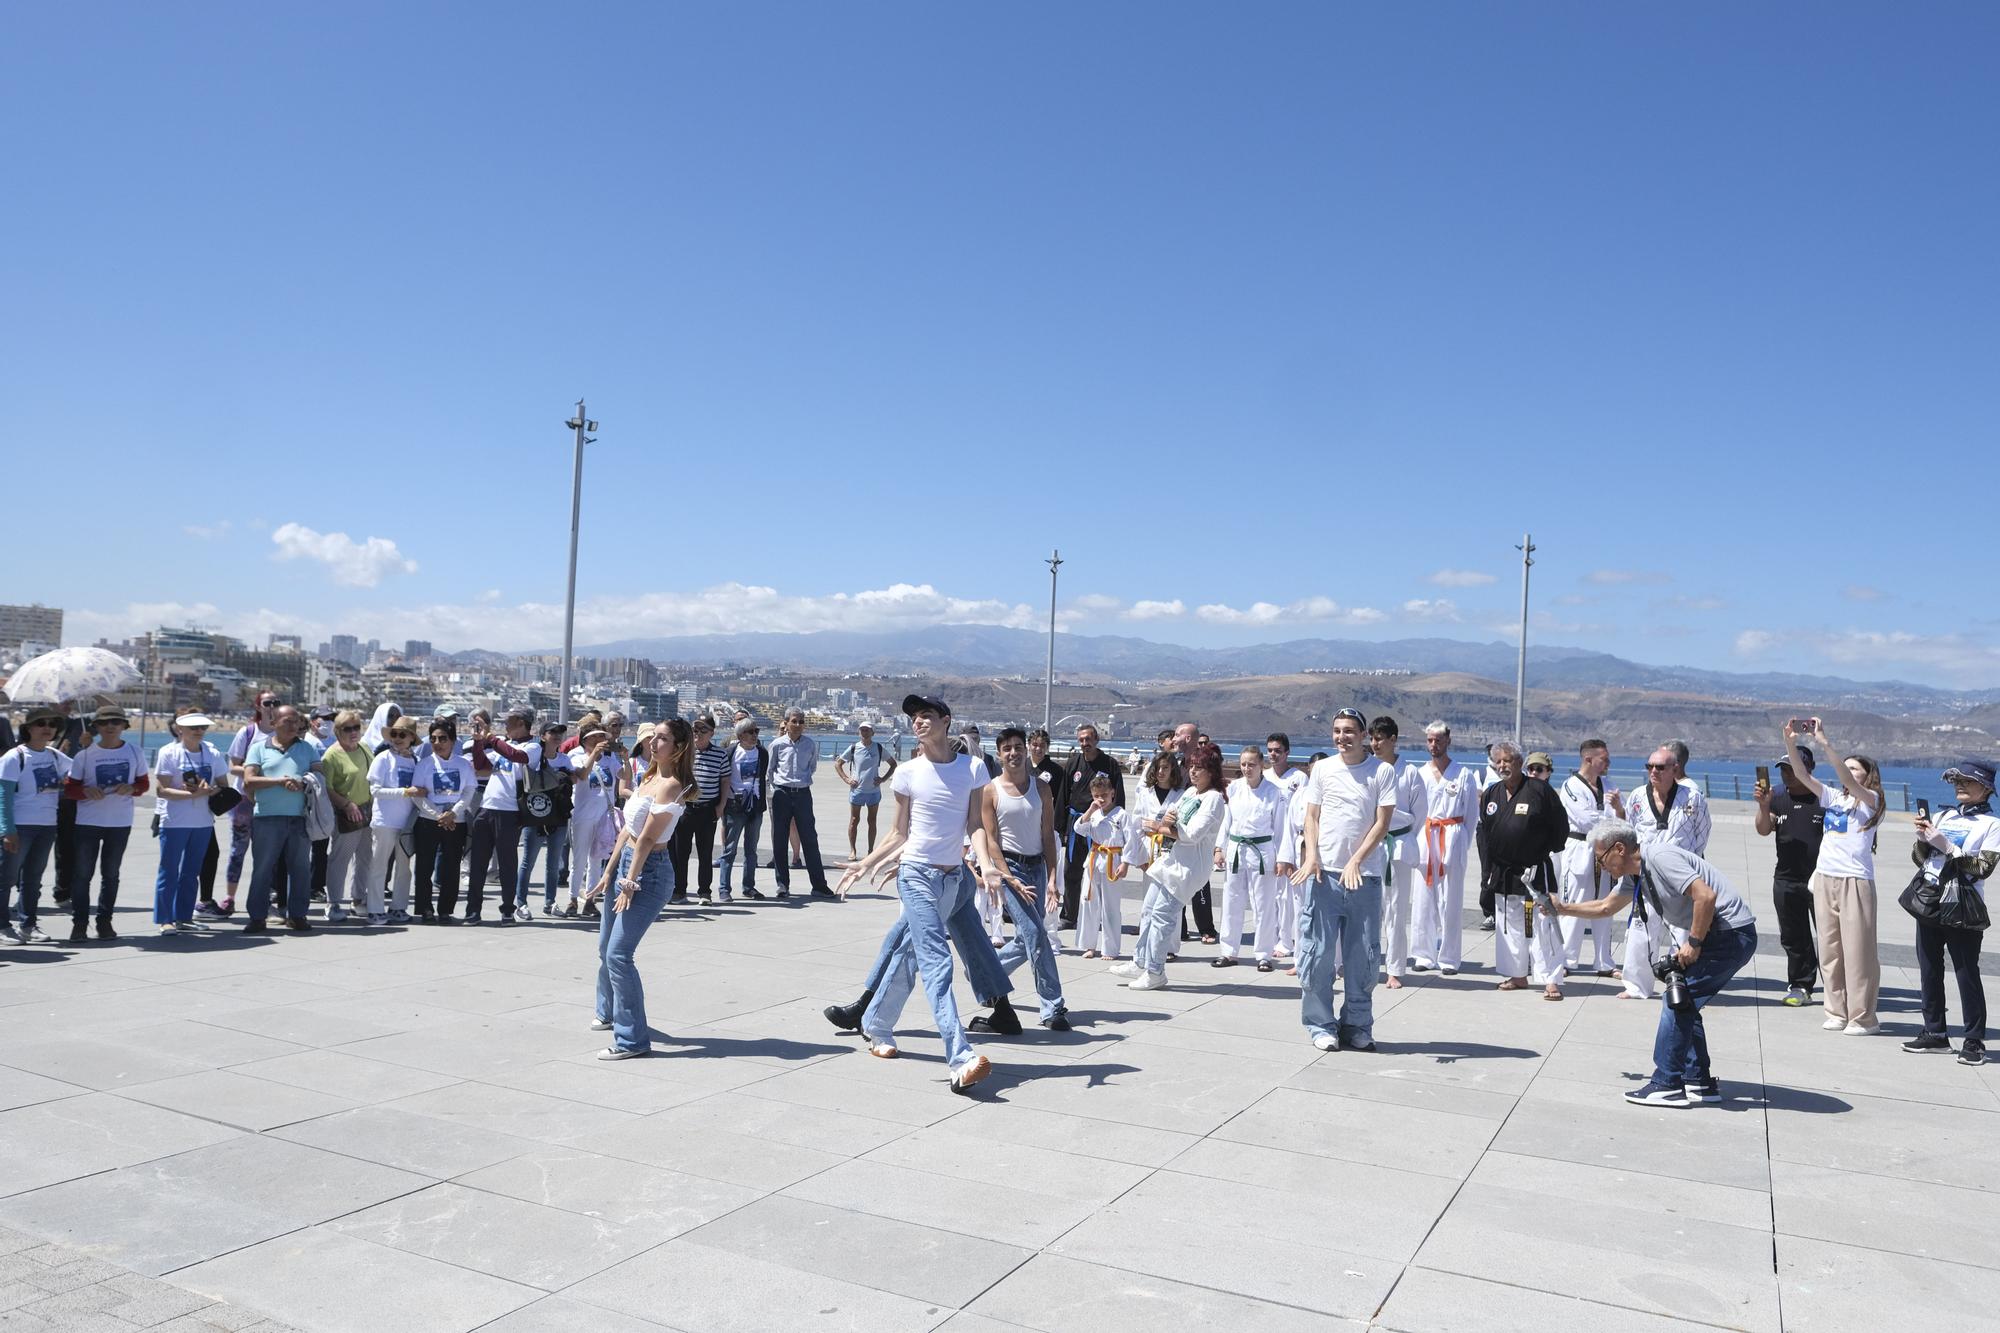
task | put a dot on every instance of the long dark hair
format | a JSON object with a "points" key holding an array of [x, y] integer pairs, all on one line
{"points": [[683, 737], [1170, 762]]}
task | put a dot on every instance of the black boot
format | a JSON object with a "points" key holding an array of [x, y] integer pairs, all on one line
{"points": [[1003, 1021], [847, 1017]]}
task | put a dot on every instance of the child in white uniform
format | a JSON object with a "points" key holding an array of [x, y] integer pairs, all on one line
{"points": [[1100, 925]]}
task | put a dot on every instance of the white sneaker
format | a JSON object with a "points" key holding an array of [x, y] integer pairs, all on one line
{"points": [[1151, 981], [1861, 1029], [1835, 1025], [1326, 1041], [169, 929], [378, 918], [618, 1053], [522, 913], [335, 915], [600, 1025], [1128, 968]]}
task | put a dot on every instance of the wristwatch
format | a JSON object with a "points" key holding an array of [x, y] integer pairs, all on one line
{"points": [[1697, 941]]}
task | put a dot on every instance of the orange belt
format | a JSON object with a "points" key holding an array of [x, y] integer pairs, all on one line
{"points": [[1434, 847], [1106, 859]]}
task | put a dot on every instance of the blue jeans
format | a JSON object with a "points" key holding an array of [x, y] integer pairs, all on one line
{"points": [[274, 838], [1159, 927], [791, 805], [983, 970], [532, 842], [182, 850], [25, 867], [102, 849], [741, 822], [1344, 925], [930, 896], [1031, 936], [621, 996], [1680, 1048]]}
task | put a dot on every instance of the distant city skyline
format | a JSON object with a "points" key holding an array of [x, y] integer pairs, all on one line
{"points": [[1280, 323]]}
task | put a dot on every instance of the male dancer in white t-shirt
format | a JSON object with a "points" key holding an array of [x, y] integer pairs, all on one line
{"points": [[1350, 799], [936, 810]]}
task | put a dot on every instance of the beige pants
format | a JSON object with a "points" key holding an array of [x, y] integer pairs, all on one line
{"points": [[1851, 968]]}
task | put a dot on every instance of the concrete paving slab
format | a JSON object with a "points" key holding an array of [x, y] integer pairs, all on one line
{"points": [[407, 1141], [1055, 1294], [706, 1290], [1428, 1301], [246, 1103], [650, 1199], [79, 1136], [1841, 1287], [498, 1235]]}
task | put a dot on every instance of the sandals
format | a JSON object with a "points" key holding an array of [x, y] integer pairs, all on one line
{"points": [[1512, 983]]}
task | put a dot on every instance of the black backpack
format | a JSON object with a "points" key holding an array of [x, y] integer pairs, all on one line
{"points": [[545, 795]]}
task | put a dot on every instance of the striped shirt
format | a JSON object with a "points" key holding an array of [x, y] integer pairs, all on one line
{"points": [[711, 763]]}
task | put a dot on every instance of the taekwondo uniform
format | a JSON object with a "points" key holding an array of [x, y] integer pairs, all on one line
{"points": [[1582, 881], [1404, 868], [1100, 922], [1252, 822], [1451, 805], [1521, 832], [1292, 840]]}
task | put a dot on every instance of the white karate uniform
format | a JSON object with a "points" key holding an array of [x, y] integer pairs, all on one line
{"points": [[1250, 868], [1514, 954], [1449, 819], [1100, 922], [1582, 881], [1405, 868], [1293, 839], [1687, 826]]}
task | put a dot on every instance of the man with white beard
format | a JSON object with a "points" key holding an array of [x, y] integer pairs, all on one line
{"points": [[1404, 861], [1587, 802], [1451, 804]]}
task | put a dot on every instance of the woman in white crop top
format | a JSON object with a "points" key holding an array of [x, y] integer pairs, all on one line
{"points": [[645, 882], [1843, 884]]}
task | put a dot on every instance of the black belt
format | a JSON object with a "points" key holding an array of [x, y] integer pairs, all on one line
{"points": [[1024, 858]]}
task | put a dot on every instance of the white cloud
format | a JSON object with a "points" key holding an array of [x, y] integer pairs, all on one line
{"points": [[1689, 602], [1306, 609], [490, 595], [1147, 610], [354, 564], [207, 532], [1461, 578], [1872, 654], [1860, 592], [1624, 576], [1257, 613], [1755, 642], [1418, 608]]}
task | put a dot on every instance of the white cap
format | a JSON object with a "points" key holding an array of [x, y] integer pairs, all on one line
{"points": [[194, 720]]}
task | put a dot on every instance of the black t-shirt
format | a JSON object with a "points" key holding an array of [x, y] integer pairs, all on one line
{"points": [[1055, 785], [1080, 771], [1797, 824]]}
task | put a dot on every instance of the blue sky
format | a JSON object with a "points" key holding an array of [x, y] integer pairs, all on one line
{"points": [[1281, 320]]}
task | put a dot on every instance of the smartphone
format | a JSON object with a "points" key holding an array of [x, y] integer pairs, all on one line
{"points": [[1923, 808], [1803, 725], [1764, 774]]}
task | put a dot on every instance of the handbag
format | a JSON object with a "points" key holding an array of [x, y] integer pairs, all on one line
{"points": [[224, 799], [545, 798], [1946, 903]]}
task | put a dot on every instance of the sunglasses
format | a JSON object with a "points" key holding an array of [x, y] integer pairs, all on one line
{"points": [[1657, 768], [352, 726]]}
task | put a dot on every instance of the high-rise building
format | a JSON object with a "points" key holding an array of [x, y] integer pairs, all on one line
{"points": [[417, 648], [30, 624], [344, 648], [280, 642]]}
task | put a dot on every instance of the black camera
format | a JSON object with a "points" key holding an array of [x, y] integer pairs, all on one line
{"points": [[1673, 979]]}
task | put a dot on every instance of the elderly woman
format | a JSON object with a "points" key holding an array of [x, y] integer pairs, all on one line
{"points": [[1961, 844], [187, 772], [392, 782], [350, 857]]}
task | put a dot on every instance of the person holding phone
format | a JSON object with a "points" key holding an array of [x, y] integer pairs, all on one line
{"points": [[1791, 814], [1844, 882], [1963, 843]]}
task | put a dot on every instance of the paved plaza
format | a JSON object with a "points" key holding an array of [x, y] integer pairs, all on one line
{"points": [[360, 1131]]}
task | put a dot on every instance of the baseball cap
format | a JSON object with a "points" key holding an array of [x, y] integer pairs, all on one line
{"points": [[1538, 759], [1784, 761], [915, 703], [1973, 769], [325, 714]]}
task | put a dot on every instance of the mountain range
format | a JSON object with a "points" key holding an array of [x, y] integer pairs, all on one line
{"points": [[989, 650]]}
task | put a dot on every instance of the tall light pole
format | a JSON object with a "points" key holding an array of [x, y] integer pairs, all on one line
{"points": [[1054, 562], [1527, 550], [579, 423]]}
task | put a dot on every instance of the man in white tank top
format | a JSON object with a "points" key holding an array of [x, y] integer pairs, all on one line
{"points": [[935, 811], [1027, 826]]}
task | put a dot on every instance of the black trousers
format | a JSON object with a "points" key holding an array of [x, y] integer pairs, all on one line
{"points": [[435, 859], [1203, 907], [319, 853], [496, 842], [1796, 932], [1932, 944], [65, 847], [1074, 863], [695, 833]]}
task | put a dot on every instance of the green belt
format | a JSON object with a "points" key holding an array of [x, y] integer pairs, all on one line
{"points": [[1257, 844], [1389, 862]]}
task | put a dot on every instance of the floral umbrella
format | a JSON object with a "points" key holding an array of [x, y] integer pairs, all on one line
{"points": [[71, 673]]}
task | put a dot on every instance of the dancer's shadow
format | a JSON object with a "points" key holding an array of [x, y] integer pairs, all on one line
{"points": [[1451, 1052], [1016, 1073], [710, 1046], [1786, 1099]]}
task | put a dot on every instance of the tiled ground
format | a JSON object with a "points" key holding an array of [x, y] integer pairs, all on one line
{"points": [[405, 1130]]}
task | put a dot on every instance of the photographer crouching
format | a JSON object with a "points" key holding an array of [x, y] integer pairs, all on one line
{"points": [[1712, 935]]}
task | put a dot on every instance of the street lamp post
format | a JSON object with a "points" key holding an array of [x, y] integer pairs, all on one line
{"points": [[1054, 562], [579, 423], [1527, 550]]}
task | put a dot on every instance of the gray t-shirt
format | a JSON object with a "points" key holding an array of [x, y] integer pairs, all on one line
{"points": [[1668, 871], [864, 764]]}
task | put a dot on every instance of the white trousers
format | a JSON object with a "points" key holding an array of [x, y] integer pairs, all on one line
{"points": [[388, 858], [990, 914], [1100, 923], [350, 871], [1247, 886], [1285, 913], [1514, 954], [584, 863], [1587, 886], [1642, 945], [1399, 901], [1437, 911]]}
